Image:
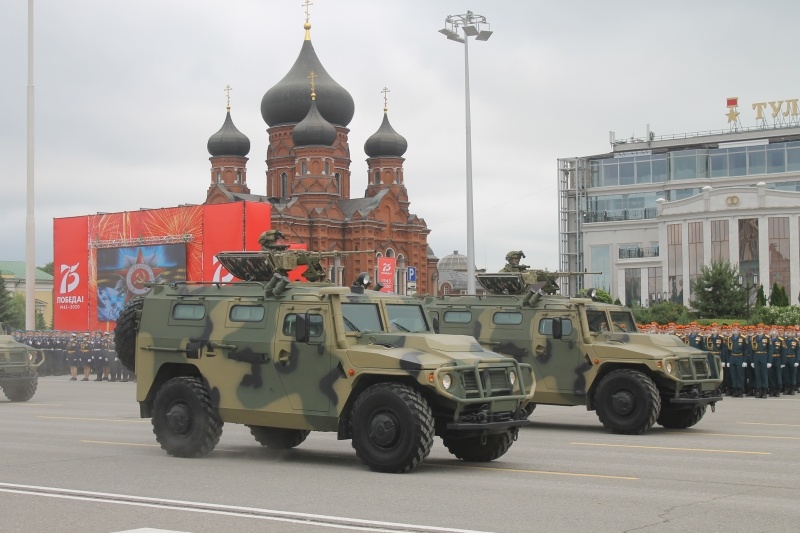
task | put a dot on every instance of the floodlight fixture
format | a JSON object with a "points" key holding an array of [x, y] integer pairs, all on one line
{"points": [[484, 35], [470, 30]]}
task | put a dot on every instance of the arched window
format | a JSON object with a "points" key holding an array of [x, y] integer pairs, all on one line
{"points": [[445, 289], [377, 177], [338, 179], [303, 168], [327, 168], [284, 185], [219, 176], [238, 176]]}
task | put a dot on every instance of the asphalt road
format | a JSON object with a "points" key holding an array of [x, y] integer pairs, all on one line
{"points": [[77, 458]]}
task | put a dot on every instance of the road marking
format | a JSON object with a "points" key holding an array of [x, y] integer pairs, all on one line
{"points": [[523, 471], [223, 450], [667, 448], [748, 436], [767, 424], [306, 519], [29, 404], [96, 419]]}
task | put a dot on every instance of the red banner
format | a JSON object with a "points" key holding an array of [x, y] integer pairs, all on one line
{"points": [[256, 221], [223, 226], [386, 266], [71, 274]]}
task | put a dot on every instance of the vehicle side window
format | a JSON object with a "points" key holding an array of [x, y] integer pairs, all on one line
{"points": [[247, 313], [315, 325], [457, 317], [597, 321], [508, 319], [189, 311], [546, 327]]}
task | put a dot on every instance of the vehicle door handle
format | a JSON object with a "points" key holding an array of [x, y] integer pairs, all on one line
{"points": [[283, 357], [540, 349]]}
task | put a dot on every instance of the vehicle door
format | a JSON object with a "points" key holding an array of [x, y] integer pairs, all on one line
{"points": [[305, 367], [558, 361]]}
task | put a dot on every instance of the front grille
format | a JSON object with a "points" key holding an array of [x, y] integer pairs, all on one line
{"points": [[694, 368], [700, 368], [494, 382]]}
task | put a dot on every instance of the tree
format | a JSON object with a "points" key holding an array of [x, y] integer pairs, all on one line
{"points": [[49, 268], [716, 292], [778, 297], [662, 312], [761, 300], [600, 295], [6, 303]]}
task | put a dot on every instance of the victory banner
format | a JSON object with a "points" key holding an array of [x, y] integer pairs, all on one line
{"points": [[123, 273], [386, 266], [71, 274]]}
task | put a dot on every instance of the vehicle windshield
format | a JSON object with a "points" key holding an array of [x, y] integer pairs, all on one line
{"points": [[361, 317], [406, 317], [623, 321], [598, 322]]}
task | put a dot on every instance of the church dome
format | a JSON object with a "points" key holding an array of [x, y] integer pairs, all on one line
{"points": [[228, 140], [314, 130], [287, 101], [454, 261], [385, 142]]}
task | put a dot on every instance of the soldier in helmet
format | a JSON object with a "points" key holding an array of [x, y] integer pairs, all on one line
{"points": [[512, 262], [269, 240]]}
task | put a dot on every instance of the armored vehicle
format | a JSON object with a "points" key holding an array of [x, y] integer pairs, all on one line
{"points": [[287, 358], [586, 353], [18, 364]]}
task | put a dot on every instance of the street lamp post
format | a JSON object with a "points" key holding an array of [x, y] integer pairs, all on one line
{"points": [[473, 26], [747, 283]]}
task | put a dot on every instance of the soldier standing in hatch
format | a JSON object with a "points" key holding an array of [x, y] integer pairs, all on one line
{"points": [[512, 262]]}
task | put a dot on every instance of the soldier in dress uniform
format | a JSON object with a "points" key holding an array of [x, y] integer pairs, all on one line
{"points": [[760, 349], [84, 349], [737, 360], [776, 362], [716, 344], [792, 346], [113, 360], [695, 338], [73, 356]]}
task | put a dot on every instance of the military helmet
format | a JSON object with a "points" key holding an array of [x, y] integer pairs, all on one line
{"points": [[514, 253]]}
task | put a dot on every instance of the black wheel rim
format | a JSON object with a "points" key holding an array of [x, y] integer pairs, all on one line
{"points": [[384, 429], [623, 402], [179, 419]]}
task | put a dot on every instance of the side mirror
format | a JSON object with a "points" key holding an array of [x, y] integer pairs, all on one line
{"points": [[557, 334], [436, 323], [301, 331]]}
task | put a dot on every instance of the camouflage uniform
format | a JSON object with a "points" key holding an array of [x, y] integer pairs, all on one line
{"points": [[512, 262]]}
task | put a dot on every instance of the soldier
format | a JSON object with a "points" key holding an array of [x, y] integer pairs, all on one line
{"points": [[760, 346], [269, 240], [84, 349], [73, 357], [716, 344], [695, 338], [737, 360], [776, 362], [512, 262], [792, 361]]}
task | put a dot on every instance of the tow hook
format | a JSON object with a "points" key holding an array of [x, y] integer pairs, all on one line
{"points": [[713, 407]]}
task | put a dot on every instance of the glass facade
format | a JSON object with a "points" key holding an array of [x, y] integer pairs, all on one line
{"points": [[654, 284], [675, 263], [633, 286], [779, 253], [720, 241], [601, 262], [695, 251], [748, 247]]}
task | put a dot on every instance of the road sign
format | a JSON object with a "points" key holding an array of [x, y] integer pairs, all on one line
{"points": [[412, 274]]}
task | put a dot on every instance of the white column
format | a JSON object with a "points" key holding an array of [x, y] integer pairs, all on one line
{"points": [[763, 254], [685, 266], [733, 240], [794, 261], [644, 287]]}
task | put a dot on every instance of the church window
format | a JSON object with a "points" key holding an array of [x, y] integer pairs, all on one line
{"points": [[284, 185], [377, 177], [238, 176], [327, 168], [337, 178], [219, 176], [303, 168]]}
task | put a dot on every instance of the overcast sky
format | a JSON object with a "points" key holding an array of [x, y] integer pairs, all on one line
{"points": [[128, 92]]}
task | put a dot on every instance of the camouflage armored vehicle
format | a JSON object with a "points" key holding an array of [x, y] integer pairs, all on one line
{"points": [[586, 353], [289, 358], [18, 364]]}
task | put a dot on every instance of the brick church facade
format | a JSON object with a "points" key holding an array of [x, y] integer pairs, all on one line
{"points": [[308, 178]]}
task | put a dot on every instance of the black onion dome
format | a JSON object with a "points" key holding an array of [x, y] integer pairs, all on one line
{"points": [[314, 129], [287, 101], [385, 142], [228, 140]]}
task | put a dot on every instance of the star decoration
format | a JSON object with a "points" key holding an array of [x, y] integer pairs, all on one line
{"points": [[136, 273], [732, 115]]}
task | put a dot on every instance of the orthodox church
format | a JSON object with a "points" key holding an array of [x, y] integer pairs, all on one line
{"points": [[308, 179]]}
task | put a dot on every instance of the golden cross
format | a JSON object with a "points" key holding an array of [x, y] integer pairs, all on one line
{"points": [[306, 4], [228, 90], [385, 90], [311, 76]]}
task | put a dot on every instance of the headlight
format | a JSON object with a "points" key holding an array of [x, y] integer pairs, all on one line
{"points": [[447, 381], [512, 378], [669, 368]]}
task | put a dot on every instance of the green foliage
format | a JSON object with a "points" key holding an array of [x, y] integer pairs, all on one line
{"points": [[778, 297], [782, 316], [761, 300], [662, 312], [16, 316], [617, 302], [6, 304], [49, 268], [41, 323], [600, 295], [716, 291]]}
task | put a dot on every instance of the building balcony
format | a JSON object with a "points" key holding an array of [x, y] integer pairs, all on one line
{"points": [[620, 215], [638, 253]]}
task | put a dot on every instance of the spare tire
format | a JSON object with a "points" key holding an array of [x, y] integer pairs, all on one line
{"points": [[126, 331]]}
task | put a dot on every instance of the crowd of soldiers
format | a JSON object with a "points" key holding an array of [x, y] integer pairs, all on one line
{"points": [[757, 361], [65, 352]]}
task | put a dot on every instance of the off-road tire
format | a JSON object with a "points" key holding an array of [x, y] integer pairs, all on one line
{"points": [[278, 438], [184, 422], [21, 392], [126, 331], [627, 402], [681, 418], [392, 427], [471, 449]]}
